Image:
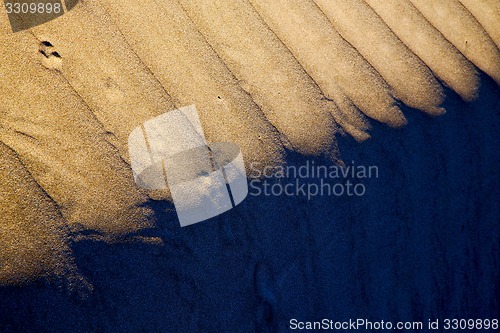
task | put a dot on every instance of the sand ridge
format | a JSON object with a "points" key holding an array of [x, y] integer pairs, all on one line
{"points": [[267, 76]]}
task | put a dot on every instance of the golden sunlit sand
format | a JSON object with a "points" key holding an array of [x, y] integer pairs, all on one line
{"points": [[266, 75]]}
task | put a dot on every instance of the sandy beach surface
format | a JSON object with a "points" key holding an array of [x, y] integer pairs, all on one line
{"points": [[275, 77]]}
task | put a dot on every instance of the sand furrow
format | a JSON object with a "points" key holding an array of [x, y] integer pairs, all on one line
{"points": [[267, 70], [62, 144], [103, 69], [32, 231], [412, 81], [192, 73], [458, 25], [487, 12], [328, 58], [263, 74], [447, 63]]}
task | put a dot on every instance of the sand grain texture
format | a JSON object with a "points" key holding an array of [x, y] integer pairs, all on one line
{"points": [[402, 69], [63, 145], [186, 66], [460, 27], [267, 70], [33, 233], [329, 59], [268, 76], [487, 12], [447, 63]]}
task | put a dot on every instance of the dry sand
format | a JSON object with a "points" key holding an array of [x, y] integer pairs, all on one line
{"points": [[265, 75]]}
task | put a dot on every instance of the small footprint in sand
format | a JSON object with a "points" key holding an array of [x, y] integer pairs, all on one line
{"points": [[51, 58], [113, 91]]}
